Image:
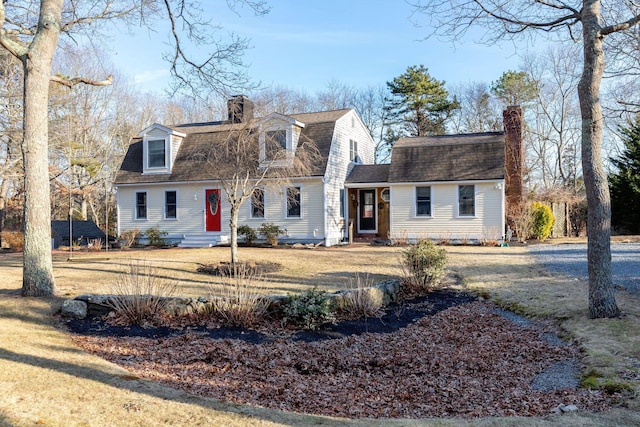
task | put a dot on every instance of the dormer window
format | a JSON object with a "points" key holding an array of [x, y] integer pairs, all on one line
{"points": [[160, 146], [278, 138], [157, 157], [275, 144]]}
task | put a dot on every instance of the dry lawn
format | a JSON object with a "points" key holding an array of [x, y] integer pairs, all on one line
{"points": [[327, 268], [46, 380]]}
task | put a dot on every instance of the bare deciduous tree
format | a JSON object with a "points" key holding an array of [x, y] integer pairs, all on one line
{"points": [[479, 110], [555, 123], [30, 31], [592, 22], [238, 162]]}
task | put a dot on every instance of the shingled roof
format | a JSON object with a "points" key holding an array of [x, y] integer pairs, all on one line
{"points": [[465, 157], [368, 174], [319, 128], [87, 229]]}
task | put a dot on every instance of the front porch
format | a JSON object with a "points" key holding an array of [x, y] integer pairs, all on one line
{"points": [[368, 213]]}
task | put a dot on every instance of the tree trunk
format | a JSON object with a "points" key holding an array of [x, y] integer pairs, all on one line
{"points": [[233, 227], [602, 301], [38, 268]]}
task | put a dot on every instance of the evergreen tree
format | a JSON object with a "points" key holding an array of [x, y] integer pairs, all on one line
{"points": [[419, 104], [515, 88], [625, 183]]}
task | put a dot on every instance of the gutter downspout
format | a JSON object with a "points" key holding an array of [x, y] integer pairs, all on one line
{"points": [[324, 211]]}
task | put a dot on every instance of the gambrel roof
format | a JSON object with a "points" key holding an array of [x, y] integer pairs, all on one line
{"points": [[318, 127]]}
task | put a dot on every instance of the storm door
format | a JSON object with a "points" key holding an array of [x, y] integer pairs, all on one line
{"points": [[367, 212]]}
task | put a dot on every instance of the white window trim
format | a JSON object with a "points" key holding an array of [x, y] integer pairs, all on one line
{"points": [[415, 201], [475, 199], [264, 161], [167, 154], [164, 215], [264, 204], [286, 206], [353, 151], [135, 205]]}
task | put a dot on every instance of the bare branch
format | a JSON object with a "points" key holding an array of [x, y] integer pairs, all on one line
{"points": [[14, 47], [521, 24], [621, 26], [71, 82]]}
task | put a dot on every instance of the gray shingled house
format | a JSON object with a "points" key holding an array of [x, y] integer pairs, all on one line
{"points": [[441, 187]]}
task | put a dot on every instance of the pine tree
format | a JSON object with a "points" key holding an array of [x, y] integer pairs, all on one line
{"points": [[420, 104], [625, 183]]}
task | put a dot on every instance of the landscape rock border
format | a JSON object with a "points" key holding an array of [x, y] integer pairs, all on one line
{"points": [[98, 305]]}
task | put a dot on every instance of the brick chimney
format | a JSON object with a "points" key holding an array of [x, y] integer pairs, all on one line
{"points": [[514, 163], [240, 109]]}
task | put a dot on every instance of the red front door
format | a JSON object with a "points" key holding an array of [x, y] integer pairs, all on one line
{"points": [[212, 203]]}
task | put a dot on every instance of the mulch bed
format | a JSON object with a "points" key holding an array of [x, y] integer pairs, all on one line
{"points": [[440, 355]]}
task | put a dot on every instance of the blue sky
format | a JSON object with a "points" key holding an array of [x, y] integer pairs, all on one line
{"points": [[304, 44]]}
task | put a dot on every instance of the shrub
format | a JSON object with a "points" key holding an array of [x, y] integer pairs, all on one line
{"points": [[360, 301], [270, 231], [237, 302], [423, 264], [542, 221], [139, 296], [156, 236], [13, 239], [522, 221], [94, 245], [309, 310], [128, 238], [248, 234]]}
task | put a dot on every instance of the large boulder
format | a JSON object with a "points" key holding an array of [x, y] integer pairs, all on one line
{"points": [[74, 309]]}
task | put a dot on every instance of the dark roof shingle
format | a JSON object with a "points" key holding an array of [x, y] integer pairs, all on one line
{"points": [[368, 174], [462, 157], [88, 229], [319, 128]]}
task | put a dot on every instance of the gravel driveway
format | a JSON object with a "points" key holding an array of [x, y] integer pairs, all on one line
{"points": [[571, 259]]}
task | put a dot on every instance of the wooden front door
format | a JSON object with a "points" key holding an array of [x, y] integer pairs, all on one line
{"points": [[367, 212], [212, 209]]}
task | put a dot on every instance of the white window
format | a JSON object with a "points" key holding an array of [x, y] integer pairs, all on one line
{"points": [[294, 202], [466, 200], [423, 201], [342, 206], [257, 203], [170, 204], [353, 150], [141, 205], [275, 143], [156, 156]]}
